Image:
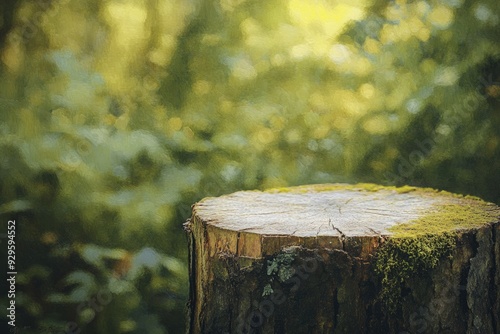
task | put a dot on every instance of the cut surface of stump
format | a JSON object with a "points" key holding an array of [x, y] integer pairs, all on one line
{"points": [[379, 253]]}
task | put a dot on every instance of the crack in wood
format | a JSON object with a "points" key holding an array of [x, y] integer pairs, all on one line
{"points": [[342, 235]]}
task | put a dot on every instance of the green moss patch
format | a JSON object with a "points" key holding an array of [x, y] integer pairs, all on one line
{"points": [[416, 247], [465, 214], [401, 258]]}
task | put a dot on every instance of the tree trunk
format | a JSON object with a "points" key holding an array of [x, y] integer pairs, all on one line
{"points": [[344, 259]]}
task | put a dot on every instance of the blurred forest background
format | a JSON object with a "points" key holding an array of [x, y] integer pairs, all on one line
{"points": [[117, 115]]}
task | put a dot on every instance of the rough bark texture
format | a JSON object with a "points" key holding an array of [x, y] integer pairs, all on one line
{"points": [[304, 260]]}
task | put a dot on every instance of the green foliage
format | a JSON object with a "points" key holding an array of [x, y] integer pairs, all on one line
{"points": [[127, 290], [400, 259], [115, 116]]}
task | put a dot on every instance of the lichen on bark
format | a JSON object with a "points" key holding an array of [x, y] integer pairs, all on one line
{"points": [[280, 268]]}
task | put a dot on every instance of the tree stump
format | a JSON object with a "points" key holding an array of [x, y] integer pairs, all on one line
{"points": [[344, 259]]}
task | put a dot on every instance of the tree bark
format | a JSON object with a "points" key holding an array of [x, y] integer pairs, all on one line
{"points": [[344, 259]]}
